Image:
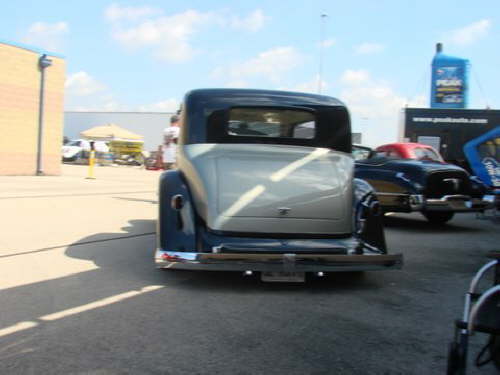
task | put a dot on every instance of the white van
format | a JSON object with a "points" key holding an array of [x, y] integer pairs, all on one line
{"points": [[78, 149]]}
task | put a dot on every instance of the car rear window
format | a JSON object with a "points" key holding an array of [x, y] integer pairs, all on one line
{"points": [[271, 123]]}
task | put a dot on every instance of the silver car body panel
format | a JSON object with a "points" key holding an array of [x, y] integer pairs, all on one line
{"points": [[270, 188]]}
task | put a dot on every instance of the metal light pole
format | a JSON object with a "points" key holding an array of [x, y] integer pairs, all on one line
{"points": [[43, 62], [321, 48]]}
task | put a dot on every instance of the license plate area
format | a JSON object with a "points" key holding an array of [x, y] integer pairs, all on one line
{"points": [[283, 277]]}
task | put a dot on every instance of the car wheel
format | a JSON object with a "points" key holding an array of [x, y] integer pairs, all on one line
{"points": [[76, 158], [436, 217]]}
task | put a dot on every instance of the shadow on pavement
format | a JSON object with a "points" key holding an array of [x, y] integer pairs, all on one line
{"points": [[417, 223], [106, 320], [127, 264], [118, 260], [125, 316]]}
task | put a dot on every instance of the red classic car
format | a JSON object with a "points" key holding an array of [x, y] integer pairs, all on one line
{"points": [[416, 151]]}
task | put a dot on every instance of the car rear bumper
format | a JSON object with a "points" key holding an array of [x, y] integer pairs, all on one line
{"points": [[276, 262], [450, 203]]}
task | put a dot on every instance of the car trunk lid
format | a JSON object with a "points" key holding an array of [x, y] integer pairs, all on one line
{"points": [[273, 188]]}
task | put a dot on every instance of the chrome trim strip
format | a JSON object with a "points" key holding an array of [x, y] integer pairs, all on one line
{"points": [[455, 197], [276, 262]]}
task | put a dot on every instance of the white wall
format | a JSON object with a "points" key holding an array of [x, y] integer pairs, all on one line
{"points": [[148, 124]]}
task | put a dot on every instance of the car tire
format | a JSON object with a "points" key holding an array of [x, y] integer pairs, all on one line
{"points": [[437, 217], [75, 158]]}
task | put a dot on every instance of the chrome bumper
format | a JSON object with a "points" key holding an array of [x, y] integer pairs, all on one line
{"points": [[276, 262], [416, 202], [457, 203]]}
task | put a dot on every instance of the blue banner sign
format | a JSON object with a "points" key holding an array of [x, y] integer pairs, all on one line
{"points": [[449, 88]]}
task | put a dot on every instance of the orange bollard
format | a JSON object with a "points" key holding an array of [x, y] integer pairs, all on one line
{"points": [[90, 175]]}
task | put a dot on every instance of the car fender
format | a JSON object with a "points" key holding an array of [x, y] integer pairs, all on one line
{"points": [[368, 215], [176, 230], [393, 179]]}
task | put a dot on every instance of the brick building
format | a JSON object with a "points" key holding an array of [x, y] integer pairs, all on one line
{"points": [[20, 83]]}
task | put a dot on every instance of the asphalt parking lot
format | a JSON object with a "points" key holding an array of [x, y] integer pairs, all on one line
{"points": [[79, 293]]}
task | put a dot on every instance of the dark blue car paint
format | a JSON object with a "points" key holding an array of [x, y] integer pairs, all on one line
{"points": [[175, 229]]}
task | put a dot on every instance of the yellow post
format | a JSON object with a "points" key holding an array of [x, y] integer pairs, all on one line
{"points": [[91, 165]]}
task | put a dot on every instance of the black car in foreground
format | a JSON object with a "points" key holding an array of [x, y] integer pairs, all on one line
{"points": [[265, 184], [437, 189]]}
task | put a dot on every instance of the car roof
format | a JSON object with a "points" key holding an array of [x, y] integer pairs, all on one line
{"points": [[206, 112], [262, 97]]}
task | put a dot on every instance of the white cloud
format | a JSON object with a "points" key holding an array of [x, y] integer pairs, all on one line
{"points": [[310, 86], [82, 84], [253, 22], [374, 106], [369, 48], [105, 102], [85, 93], [237, 84], [470, 33], [168, 105], [327, 43], [46, 35], [115, 13], [170, 37], [270, 64], [355, 77]]}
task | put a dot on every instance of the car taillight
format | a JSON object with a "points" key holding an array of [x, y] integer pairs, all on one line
{"points": [[170, 258], [177, 202]]}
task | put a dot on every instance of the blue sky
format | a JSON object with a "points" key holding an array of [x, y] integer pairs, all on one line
{"points": [[144, 55]]}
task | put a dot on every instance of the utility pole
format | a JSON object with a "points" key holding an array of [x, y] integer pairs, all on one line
{"points": [[321, 50], [43, 63]]}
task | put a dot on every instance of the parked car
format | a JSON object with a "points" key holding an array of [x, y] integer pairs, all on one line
{"points": [[427, 184], [254, 192], [78, 149]]}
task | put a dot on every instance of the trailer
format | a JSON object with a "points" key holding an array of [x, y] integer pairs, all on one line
{"points": [[447, 130]]}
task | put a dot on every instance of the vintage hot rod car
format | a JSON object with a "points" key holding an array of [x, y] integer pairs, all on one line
{"points": [[427, 184], [265, 183]]}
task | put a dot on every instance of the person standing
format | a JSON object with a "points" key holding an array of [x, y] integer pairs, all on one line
{"points": [[170, 138]]}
